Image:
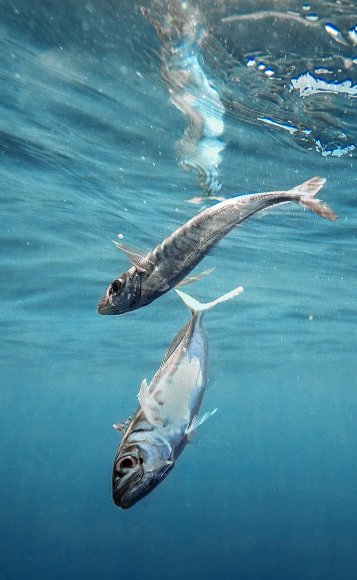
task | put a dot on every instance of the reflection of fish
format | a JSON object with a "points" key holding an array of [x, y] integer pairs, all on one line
{"points": [[167, 265], [168, 412], [180, 28]]}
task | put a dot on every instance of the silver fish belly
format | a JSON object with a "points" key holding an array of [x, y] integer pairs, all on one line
{"points": [[167, 265], [168, 411]]}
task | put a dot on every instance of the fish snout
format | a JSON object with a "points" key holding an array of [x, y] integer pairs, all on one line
{"points": [[127, 475], [104, 305]]}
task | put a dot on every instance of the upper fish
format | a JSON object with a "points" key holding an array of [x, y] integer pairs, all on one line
{"points": [[168, 412], [165, 267]]}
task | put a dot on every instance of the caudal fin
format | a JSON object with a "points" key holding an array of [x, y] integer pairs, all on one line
{"points": [[304, 195], [195, 306]]}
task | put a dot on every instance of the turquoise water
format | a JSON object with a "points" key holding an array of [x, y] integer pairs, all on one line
{"points": [[93, 144]]}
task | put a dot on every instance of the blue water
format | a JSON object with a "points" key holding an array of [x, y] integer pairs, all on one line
{"points": [[88, 143]]}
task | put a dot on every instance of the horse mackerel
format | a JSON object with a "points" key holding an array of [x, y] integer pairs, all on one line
{"points": [[165, 267], [168, 412]]}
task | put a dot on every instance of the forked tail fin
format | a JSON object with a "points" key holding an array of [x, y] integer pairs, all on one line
{"points": [[304, 195], [195, 306]]}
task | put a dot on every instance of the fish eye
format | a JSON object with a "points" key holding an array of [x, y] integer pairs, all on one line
{"points": [[115, 287], [128, 462]]}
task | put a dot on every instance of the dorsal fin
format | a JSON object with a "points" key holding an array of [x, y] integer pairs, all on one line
{"points": [[183, 334], [122, 425], [137, 258]]}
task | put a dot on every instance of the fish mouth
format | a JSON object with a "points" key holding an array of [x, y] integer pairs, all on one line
{"points": [[104, 306], [128, 493], [123, 498], [127, 477], [124, 494]]}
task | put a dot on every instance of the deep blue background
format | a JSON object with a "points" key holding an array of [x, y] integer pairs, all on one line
{"points": [[267, 490]]}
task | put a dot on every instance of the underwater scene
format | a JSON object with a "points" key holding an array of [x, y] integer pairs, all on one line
{"points": [[181, 403]]}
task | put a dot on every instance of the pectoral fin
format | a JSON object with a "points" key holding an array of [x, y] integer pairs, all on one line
{"points": [[149, 405], [191, 279], [137, 258], [196, 422]]}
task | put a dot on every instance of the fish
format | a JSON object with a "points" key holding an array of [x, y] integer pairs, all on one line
{"points": [[167, 416], [166, 266]]}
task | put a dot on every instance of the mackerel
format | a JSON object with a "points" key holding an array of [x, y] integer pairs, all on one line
{"points": [[155, 273], [167, 416]]}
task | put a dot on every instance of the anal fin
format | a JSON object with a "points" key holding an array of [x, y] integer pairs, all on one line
{"points": [[191, 279]]}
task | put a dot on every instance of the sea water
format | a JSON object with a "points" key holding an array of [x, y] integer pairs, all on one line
{"points": [[90, 134]]}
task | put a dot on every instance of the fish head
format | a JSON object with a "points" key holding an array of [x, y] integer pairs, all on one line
{"points": [[122, 294], [138, 469]]}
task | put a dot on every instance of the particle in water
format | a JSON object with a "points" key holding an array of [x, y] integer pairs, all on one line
{"points": [[352, 33]]}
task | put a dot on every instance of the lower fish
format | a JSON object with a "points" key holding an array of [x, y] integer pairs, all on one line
{"points": [[168, 413], [154, 273]]}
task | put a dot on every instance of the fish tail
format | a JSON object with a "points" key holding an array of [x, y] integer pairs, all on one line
{"points": [[304, 195], [198, 307]]}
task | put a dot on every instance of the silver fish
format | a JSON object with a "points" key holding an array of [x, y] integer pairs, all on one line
{"points": [[166, 266], [168, 412]]}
